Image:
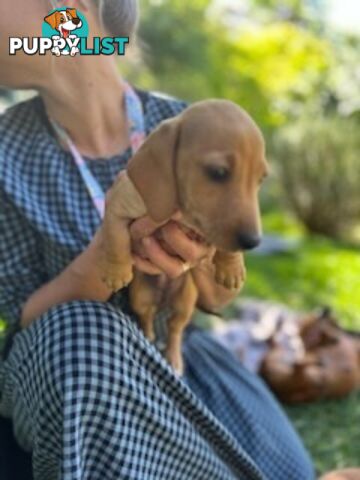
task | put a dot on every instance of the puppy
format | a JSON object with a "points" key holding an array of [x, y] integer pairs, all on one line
{"points": [[64, 22], [328, 368], [208, 162]]}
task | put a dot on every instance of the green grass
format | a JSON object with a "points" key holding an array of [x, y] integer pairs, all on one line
{"points": [[330, 431], [319, 272]]}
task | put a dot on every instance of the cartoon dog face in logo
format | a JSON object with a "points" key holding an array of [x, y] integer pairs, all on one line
{"points": [[64, 22]]}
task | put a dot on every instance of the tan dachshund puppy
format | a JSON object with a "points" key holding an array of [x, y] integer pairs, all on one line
{"points": [[329, 368], [208, 162]]}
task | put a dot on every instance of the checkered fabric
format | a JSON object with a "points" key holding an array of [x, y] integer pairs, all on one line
{"points": [[88, 394]]}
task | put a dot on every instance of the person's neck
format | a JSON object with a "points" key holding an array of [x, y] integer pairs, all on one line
{"points": [[86, 99]]}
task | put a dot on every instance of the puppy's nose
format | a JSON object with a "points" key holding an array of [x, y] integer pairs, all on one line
{"points": [[76, 21], [247, 241]]}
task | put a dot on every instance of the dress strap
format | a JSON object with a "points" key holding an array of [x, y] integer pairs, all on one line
{"points": [[135, 114]]}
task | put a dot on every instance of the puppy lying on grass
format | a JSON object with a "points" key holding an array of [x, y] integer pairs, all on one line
{"points": [[326, 365], [208, 163]]}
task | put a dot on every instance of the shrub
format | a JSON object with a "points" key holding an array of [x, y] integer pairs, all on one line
{"points": [[319, 165]]}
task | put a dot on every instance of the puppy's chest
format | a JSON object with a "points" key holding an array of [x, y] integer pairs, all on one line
{"points": [[164, 289]]}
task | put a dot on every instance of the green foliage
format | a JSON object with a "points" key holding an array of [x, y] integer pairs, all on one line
{"points": [[175, 38], [340, 88], [292, 5], [276, 64], [178, 27], [268, 68], [320, 172]]}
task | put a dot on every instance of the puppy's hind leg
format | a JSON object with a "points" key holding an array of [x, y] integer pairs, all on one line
{"points": [[142, 295], [183, 308]]}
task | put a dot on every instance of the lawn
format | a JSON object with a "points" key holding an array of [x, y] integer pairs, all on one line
{"points": [[331, 431], [318, 272]]}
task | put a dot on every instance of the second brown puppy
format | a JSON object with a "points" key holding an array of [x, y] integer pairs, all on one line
{"points": [[207, 162]]}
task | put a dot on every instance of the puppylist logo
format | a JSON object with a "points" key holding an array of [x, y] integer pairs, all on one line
{"points": [[65, 32]]}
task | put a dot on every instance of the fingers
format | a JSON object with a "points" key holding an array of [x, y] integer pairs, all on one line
{"points": [[149, 255], [188, 249], [146, 266], [173, 267], [177, 216], [145, 226]]}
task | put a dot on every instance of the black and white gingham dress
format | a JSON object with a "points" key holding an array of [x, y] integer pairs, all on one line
{"points": [[88, 394]]}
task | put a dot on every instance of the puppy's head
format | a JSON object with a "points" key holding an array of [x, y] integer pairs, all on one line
{"points": [[208, 162], [64, 21]]}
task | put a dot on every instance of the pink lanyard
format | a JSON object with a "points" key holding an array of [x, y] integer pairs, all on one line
{"points": [[135, 114]]}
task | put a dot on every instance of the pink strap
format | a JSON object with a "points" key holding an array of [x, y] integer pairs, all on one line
{"points": [[135, 114]]}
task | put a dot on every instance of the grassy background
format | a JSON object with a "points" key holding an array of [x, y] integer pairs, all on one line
{"points": [[330, 431], [318, 272]]}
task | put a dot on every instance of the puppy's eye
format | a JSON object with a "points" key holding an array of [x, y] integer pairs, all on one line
{"points": [[61, 20], [217, 174]]}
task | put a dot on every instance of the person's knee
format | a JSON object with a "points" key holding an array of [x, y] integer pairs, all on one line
{"points": [[79, 340], [73, 356]]}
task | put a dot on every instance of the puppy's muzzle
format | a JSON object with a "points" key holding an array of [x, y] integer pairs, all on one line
{"points": [[247, 241]]}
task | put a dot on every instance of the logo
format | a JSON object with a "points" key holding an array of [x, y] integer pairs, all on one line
{"points": [[65, 32]]}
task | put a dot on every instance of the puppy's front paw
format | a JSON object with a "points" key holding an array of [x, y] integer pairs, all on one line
{"points": [[230, 276], [117, 276]]}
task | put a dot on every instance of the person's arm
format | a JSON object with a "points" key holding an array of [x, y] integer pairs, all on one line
{"points": [[80, 280]]}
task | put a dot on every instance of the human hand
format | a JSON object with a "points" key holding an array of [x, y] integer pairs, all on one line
{"points": [[166, 248]]}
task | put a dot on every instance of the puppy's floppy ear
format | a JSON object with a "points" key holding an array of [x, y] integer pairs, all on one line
{"points": [[52, 19], [152, 170], [72, 12]]}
